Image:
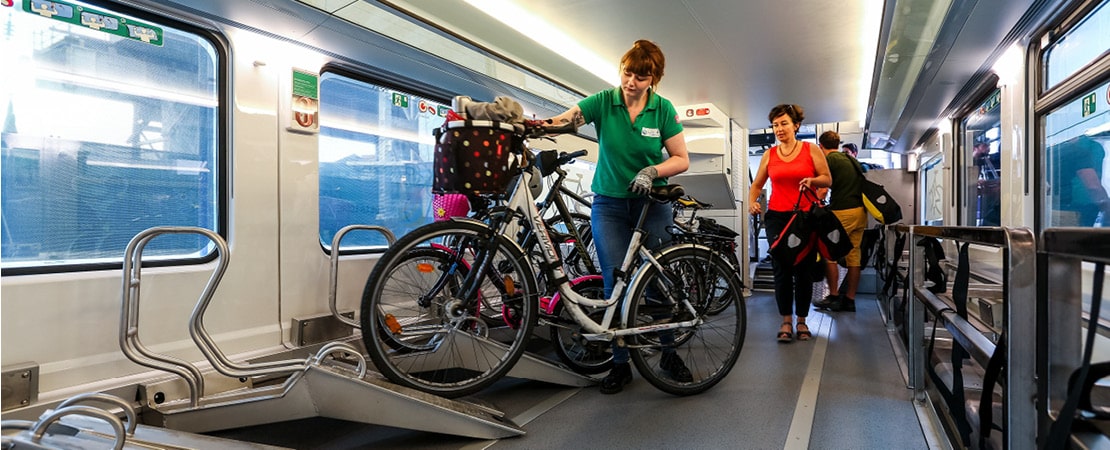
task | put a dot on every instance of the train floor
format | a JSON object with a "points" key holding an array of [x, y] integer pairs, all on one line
{"points": [[842, 390]]}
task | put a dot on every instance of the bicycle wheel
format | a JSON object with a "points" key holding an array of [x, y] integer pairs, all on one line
{"points": [[709, 349], [582, 356], [719, 295], [422, 333]]}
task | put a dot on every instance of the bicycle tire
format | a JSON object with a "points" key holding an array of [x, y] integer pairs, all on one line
{"points": [[710, 349], [437, 342], [582, 356]]}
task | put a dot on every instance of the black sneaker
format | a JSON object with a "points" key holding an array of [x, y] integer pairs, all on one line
{"points": [[673, 365], [619, 375], [830, 302], [845, 304]]}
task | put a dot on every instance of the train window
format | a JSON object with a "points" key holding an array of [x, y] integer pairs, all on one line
{"points": [[982, 178], [1078, 47], [110, 128], [932, 173], [1077, 136], [375, 159]]}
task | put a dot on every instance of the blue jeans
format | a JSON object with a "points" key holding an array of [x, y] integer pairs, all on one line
{"points": [[612, 220]]}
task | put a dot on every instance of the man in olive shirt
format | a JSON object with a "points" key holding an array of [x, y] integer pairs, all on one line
{"points": [[846, 203]]}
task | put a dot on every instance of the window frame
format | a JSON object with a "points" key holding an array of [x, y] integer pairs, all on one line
{"points": [[1046, 99], [222, 185]]}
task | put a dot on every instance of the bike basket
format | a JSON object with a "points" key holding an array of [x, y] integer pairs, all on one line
{"points": [[473, 157], [446, 206]]}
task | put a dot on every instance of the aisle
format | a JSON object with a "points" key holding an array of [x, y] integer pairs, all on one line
{"points": [[842, 390]]}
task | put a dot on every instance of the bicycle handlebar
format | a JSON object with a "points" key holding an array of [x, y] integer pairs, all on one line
{"points": [[565, 158]]}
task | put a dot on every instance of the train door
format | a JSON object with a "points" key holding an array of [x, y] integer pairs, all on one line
{"points": [[980, 160]]}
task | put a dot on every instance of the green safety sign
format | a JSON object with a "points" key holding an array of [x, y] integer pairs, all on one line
{"points": [[96, 20], [400, 100], [305, 84], [1089, 104]]}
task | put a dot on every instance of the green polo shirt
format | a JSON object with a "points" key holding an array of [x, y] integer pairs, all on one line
{"points": [[625, 148], [846, 183]]}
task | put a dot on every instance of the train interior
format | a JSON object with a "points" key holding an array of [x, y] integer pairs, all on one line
{"points": [[197, 197]]}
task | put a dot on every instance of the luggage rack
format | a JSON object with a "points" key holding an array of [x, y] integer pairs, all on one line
{"points": [[320, 385]]}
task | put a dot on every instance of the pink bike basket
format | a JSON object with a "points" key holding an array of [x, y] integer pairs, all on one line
{"points": [[472, 157], [446, 206]]}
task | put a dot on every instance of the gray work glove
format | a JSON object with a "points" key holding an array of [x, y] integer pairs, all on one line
{"points": [[642, 183]]}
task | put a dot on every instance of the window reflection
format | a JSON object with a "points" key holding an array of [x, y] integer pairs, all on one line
{"points": [[1078, 47], [104, 136], [981, 132], [1076, 138], [376, 149]]}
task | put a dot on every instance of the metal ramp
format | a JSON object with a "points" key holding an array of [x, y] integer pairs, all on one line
{"points": [[321, 385]]}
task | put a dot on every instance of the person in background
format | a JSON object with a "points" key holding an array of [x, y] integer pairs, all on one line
{"points": [[635, 125], [1077, 194], [792, 165], [988, 186], [850, 149], [846, 202]]}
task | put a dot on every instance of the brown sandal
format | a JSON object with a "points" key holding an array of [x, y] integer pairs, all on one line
{"points": [[786, 337], [804, 335]]}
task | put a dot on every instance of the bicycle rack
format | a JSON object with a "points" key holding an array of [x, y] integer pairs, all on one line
{"points": [[310, 387], [529, 366], [333, 285]]}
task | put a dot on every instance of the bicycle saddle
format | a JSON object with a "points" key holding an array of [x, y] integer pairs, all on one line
{"points": [[691, 202], [668, 193]]}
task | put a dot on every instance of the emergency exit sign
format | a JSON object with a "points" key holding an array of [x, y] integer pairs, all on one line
{"points": [[400, 100], [1089, 104]]}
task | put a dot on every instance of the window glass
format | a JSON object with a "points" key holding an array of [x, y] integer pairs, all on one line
{"points": [[932, 172], [376, 149], [1078, 46], [1077, 136], [982, 179], [110, 128]]}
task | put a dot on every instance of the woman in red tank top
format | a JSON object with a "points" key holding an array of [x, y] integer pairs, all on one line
{"points": [[790, 166]]}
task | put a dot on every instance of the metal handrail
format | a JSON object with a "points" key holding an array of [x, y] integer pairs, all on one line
{"points": [[1065, 311], [333, 285], [1019, 284]]}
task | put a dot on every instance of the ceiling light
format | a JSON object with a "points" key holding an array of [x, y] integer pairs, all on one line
{"points": [[545, 34], [1008, 66]]}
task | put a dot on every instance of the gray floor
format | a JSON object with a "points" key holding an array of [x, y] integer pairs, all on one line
{"points": [[850, 396]]}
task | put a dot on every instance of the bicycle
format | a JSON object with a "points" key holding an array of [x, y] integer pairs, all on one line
{"points": [[705, 231], [421, 321]]}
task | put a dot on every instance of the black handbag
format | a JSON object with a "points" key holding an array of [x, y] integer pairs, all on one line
{"points": [[796, 242], [832, 240]]}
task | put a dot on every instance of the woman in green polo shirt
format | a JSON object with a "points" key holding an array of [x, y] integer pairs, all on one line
{"points": [[635, 126]]}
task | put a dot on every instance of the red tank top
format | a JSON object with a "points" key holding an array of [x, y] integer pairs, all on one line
{"points": [[785, 177]]}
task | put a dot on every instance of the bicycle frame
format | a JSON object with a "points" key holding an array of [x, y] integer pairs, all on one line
{"points": [[522, 201], [562, 209]]}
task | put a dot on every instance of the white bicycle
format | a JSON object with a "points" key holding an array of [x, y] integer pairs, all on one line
{"points": [[422, 314]]}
